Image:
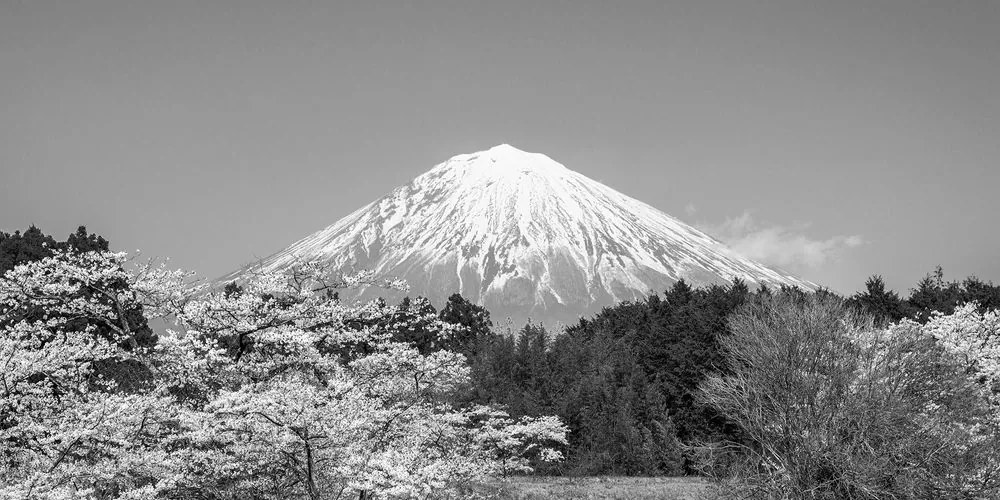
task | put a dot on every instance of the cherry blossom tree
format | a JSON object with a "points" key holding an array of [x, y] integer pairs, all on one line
{"points": [[66, 430], [974, 336], [272, 389]]}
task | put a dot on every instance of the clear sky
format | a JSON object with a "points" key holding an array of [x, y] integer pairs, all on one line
{"points": [[835, 139]]}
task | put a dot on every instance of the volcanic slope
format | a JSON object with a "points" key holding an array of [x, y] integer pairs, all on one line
{"points": [[523, 235]]}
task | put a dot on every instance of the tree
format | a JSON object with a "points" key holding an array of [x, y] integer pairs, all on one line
{"points": [[933, 293], [624, 382], [253, 396], [619, 421], [474, 319], [986, 295], [835, 407], [66, 430], [290, 419], [82, 241], [33, 245], [973, 336], [883, 304], [415, 322]]}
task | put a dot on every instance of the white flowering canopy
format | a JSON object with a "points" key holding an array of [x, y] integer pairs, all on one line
{"points": [[274, 390]]}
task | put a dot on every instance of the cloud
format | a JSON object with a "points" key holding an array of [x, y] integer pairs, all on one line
{"points": [[690, 209], [780, 245]]}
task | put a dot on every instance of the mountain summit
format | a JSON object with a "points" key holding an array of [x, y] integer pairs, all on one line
{"points": [[525, 236]]}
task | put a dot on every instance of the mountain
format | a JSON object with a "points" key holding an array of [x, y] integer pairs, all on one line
{"points": [[523, 235]]}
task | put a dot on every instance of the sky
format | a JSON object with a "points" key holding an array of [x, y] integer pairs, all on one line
{"points": [[834, 139]]}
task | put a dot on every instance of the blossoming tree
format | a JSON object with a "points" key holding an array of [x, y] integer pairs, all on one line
{"points": [[66, 429], [275, 389]]}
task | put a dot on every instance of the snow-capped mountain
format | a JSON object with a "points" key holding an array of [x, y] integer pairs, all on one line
{"points": [[523, 235]]}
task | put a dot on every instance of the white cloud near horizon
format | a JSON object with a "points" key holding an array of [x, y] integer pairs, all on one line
{"points": [[780, 245]]}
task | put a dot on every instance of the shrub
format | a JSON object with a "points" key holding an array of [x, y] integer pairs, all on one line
{"points": [[833, 407]]}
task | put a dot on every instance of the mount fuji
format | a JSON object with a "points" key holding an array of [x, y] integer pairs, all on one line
{"points": [[524, 236]]}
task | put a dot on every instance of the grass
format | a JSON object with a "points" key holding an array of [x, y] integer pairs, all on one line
{"points": [[630, 488]]}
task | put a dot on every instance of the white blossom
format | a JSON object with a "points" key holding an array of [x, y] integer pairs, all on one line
{"points": [[276, 391]]}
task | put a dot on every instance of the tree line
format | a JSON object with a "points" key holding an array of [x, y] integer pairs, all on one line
{"points": [[660, 386]]}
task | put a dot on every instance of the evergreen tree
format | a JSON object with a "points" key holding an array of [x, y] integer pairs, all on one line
{"points": [[416, 316], [81, 241], [933, 293], [987, 295], [20, 248], [476, 320], [622, 381], [34, 245], [883, 304]]}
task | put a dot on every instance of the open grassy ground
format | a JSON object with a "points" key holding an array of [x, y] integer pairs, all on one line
{"points": [[630, 488]]}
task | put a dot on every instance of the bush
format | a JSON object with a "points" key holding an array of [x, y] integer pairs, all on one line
{"points": [[833, 407]]}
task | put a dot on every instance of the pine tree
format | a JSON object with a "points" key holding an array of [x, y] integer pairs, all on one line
{"points": [[933, 293], [476, 320], [881, 303]]}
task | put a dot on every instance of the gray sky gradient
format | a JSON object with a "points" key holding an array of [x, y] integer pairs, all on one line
{"points": [[837, 138]]}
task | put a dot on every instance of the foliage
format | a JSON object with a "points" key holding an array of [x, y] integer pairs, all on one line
{"points": [[65, 429], [474, 319], [33, 245], [974, 337], [624, 382], [885, 305], [930, 295], [833, 406], [635, 368], [262, 392], [274, 388]]}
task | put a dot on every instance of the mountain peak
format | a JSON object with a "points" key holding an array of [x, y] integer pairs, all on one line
{"points": [[501, 149], [525, 236], [504, 161]]}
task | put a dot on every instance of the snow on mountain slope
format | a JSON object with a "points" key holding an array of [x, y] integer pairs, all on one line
{"points": [[525, 236]]}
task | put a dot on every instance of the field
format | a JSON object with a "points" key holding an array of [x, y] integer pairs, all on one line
{"points": [[600, 488]]}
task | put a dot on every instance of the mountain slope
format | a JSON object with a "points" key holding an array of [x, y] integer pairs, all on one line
{"points": [[525, 236]]}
